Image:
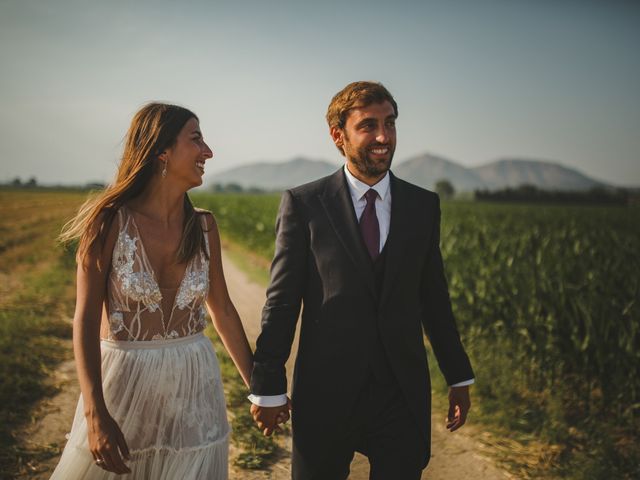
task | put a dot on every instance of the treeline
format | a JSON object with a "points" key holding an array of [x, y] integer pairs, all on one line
{"points": [[533, 194], [32, 184], [237, 188]]}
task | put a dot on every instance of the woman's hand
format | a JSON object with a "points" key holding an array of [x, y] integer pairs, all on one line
{"points": [[107, 443]]}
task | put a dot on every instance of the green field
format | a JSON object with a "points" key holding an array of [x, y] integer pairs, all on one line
{"points": [[547, 300], [245, 219]]}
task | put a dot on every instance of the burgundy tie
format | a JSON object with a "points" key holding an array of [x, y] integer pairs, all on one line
{"points": [[369, 225]]}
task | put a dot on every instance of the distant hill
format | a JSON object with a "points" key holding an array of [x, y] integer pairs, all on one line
{"points": [[542, 174], [423, 170], [274, 176]]}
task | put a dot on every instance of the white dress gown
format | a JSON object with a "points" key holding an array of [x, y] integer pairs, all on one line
{"points": [[160, 375]]}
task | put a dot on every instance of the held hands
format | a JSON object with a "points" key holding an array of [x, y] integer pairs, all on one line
{"points": [[459, 405], [107, 443], [268, 419]]}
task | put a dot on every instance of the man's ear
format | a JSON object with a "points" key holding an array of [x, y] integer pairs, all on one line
{"points": [[337, 135]]}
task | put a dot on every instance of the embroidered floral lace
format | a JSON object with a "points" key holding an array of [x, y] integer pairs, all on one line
{"points": [[135, 299]]}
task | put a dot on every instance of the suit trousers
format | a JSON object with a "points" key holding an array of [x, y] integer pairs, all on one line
{"points": [[383, 429]]}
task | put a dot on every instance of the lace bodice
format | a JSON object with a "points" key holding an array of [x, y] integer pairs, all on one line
{"points": [[135, 300]]}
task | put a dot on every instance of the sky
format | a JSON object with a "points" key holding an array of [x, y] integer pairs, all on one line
{"points": [[475, 81]]}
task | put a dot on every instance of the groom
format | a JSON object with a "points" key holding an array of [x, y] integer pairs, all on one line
{"points": [[360, 250]]}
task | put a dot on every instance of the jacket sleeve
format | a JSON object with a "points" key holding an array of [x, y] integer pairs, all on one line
{"points": [[437, 315], [284, 297]]}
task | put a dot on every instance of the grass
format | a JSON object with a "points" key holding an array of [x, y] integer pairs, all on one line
{"points": [[256, 450], [255, 266], [35, 310]]}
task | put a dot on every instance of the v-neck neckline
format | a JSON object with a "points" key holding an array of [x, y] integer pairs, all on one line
{"points": [[143, 251]]}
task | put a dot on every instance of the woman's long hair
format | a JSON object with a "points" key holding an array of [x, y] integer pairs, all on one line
{"points": [[153, 129]]}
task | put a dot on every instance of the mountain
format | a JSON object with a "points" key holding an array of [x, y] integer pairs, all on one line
{"points": [[274, 176], [425, 170], [542, 174]]}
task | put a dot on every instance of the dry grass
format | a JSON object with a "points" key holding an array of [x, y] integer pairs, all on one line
{"points": [[36, 300]]}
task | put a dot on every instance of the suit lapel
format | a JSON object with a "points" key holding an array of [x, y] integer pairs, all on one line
{"points": [[337, 203], [398, 234]]}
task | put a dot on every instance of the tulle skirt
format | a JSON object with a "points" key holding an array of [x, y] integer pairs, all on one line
{"points": [[168, 400]]}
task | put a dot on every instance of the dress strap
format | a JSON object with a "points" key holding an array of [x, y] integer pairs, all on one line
{"points": [[203, 222], [121, 218]]}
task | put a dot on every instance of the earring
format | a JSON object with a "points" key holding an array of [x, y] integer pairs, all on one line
{"points": [[164, 170]]}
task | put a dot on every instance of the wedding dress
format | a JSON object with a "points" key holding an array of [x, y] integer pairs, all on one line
{"points": [[160, 375]]}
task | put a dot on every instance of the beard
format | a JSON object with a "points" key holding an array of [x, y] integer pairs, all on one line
{"points": [[361, 159]]}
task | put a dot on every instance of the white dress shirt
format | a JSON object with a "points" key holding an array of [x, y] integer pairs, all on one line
{"points": [[357, 189]]}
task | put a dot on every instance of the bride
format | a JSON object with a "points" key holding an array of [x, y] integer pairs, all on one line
{"points": [[151, 404]]}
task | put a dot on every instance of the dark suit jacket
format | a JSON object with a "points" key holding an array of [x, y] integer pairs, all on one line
{"points": [[321, 261]]}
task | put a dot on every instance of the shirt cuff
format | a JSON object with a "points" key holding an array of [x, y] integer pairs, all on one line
{"points": [[268, 400], [464, 384]]}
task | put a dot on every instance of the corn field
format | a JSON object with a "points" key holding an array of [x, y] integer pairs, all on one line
{"points": [[548, 302]]}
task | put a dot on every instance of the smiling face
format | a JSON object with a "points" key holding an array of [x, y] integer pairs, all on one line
{"points": [[186, 158], [368, 140]]}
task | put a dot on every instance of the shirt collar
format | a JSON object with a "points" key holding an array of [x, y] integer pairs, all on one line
{"points": [[358, 188]]}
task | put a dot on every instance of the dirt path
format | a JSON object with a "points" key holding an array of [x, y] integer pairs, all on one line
{"points": [[455, 455]]}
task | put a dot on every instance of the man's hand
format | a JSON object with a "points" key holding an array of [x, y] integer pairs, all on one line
{"points": [[269, 418], [459, 405]]}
